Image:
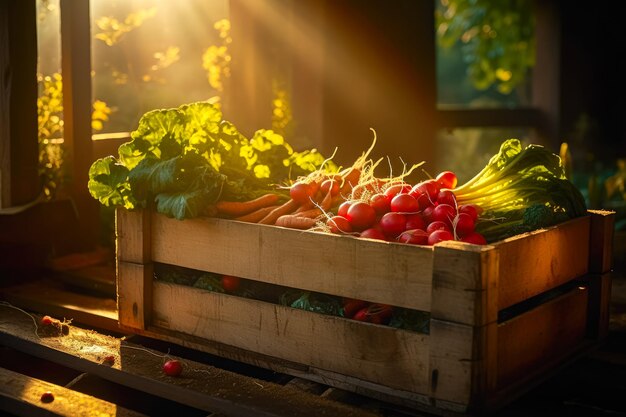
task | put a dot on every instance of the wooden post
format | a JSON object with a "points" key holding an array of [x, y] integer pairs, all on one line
{"points": [[76, 69], [134, 268], [19, 179], [463, 330]]}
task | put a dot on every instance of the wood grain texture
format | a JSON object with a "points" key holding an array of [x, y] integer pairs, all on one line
{"points": [[133, 236], [21, 395], [388, 273], [379, 354], [535, 262], [541, 335], [134, 294], [601, 241]]}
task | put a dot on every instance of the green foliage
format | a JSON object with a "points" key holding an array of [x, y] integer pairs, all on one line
{"points": [[50, 130], [497, 36], [216, 58], [521, 189], [187, 158]]}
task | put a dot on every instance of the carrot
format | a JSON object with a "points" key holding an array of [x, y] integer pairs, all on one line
{"points": [[239, 208], [327, 201], [311, 213], [293, 221], [256, 215], [285, 208], [350, 179]]}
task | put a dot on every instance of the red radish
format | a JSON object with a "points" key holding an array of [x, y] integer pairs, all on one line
{"points": [[444, 213], [404, 203], [331, 185], [380, 203], [447, 179], [414, 221], [361, 215], [446, 197], [429, 187], [362, 315], [392, 224], [47, 397], [302, 192], [474, 238], [339, 225], [230, 283], [351, 306], [463, 224], [373, 233], [343, 208], [414, 237], [471, 209], [439, 236], [380, 313], [47, 321], [172, 367], [427, 214], [437, 225], [394, 190]]}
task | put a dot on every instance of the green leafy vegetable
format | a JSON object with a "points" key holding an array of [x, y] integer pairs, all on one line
{"points": [[521, 189], [187, 158]]}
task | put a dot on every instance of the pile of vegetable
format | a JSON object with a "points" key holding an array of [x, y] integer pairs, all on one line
{"points": [[189, 161], [188, 158]]}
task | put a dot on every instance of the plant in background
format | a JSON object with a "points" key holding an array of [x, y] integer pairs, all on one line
{"points": [[282, 119], [498, 39], [216, 58], [50, 131]]}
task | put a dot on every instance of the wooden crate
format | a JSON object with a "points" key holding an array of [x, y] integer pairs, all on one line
{"points": [[493, 332]]}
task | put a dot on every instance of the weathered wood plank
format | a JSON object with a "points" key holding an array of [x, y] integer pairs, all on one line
{"points": [[133, 236], [378, 354], [134, 294], [388, 273], [541, 335], [601, 241], [200, 386], [21, 395], [542, 260], [48, 297], [599, 305]]}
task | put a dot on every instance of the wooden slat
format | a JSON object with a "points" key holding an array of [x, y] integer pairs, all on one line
{"points": [[464, 283], [539, 261], [133, 236], [464, 316], [21, 395], [601, 241], [134, 267], [540, 335], [379, 354], [389, 273], [48, 297], [200, 386], [134, 294]]}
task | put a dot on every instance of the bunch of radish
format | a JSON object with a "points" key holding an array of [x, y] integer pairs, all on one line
{"points": [[424, 214]]}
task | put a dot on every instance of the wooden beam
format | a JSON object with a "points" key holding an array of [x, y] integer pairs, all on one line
{"points": [[19, 179], [76, 69], [21, 395], [490, 117], [201, 386]]}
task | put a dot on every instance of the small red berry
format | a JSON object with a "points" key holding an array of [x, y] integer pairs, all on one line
{"points": [[46, 320], [110, 359], [172, 367], [47, 397]]}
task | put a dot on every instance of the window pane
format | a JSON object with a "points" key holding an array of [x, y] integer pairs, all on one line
{"points": [[150, 54], [466, 151], [485, 53]]}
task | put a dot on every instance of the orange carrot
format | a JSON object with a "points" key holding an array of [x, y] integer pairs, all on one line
{"points": [[239, 208], [310, 213], [293, 221], [326, 202], [285, 208], [256, 215], [350, 179]]}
